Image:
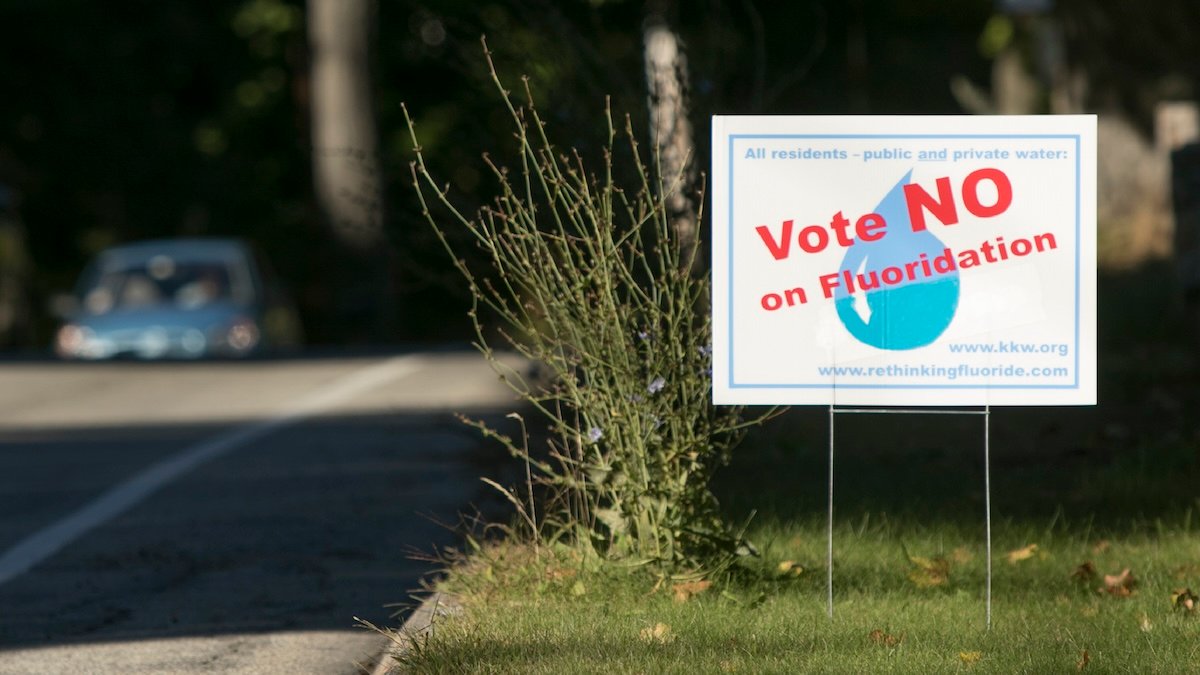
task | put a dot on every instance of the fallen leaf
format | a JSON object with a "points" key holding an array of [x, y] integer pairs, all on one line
{"points": [[1144, 624], [929, 572], [1084, 658], [559, 573], [1184, 599], [961, 555], [1020, 554], [687, 590], [1102, 546], [578, 589], [970, 658], [660, 633], [1119, 585], [1085, 573], [881, 638], [791, 567]]}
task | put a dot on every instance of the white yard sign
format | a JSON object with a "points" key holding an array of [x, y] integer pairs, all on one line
{"points": [[904, 260]]}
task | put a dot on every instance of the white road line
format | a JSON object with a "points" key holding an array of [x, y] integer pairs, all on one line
{"points": [[45, 543]]}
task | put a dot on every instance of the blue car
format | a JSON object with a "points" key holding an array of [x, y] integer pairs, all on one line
{"points": [[176, 299]]}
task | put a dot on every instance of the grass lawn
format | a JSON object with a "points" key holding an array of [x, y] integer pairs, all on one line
{"points": [[563, 620], [1079, 496]]}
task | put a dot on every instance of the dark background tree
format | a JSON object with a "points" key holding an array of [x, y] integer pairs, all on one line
{"points": [[347, 179], [144, 118]]}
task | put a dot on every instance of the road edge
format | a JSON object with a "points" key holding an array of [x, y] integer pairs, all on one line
{"points": [[418, 628]]}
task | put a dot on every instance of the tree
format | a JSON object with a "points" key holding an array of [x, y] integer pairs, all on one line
{"points": [[670, 128], [347, 176], [14, 272]]}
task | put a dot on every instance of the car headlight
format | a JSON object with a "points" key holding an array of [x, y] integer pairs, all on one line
{"points": [[242, 335], [71, 340]]}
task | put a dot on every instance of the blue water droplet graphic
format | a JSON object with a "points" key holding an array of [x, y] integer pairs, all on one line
{"points": [[908, 314]]}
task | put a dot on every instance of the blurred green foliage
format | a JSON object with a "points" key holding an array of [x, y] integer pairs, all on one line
{"points": [[149, 118]]}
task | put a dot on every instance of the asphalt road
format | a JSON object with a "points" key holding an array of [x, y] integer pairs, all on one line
{"points": [[228, 517]]}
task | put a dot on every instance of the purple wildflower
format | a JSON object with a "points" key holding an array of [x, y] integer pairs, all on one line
{"points": [[656, 385], [594, 434]]}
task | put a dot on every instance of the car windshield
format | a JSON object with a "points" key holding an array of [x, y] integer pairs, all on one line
{"points": [[157, 282]]}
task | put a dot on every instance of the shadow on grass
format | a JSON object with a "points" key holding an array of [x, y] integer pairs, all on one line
{"points": [[1130, 462]]}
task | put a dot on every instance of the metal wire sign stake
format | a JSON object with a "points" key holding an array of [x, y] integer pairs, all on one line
{"points": [[986, 413], [876, 264]]}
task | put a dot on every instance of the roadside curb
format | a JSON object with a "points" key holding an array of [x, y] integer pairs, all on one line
{"points": [[416, 630]]}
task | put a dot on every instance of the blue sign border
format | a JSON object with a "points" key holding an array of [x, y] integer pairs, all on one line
{"points": [[835, 385]]}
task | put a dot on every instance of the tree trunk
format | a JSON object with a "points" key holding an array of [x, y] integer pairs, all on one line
{"points": [[671, 131], [346, 171], [14, 276]]}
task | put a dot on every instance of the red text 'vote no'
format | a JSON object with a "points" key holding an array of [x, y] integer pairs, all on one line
{"points": [[872, 226]]}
